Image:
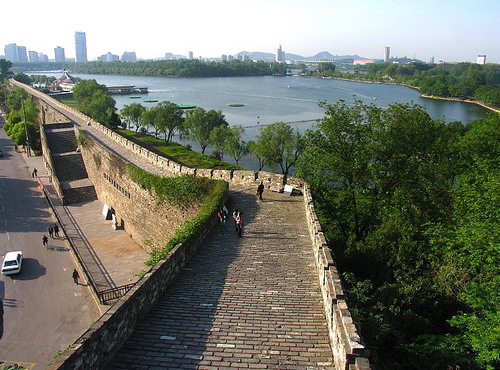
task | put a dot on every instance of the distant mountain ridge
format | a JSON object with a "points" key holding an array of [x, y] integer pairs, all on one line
{"points": [[323, 55]]}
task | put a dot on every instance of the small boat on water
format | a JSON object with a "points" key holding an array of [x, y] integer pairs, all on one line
{"points": [[151, 101], [186, 106], [135, 97], [236, 105]]}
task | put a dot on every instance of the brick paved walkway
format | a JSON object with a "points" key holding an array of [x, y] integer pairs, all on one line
{"points": [[250, 302]]}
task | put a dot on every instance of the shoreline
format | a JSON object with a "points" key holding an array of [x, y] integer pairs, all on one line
{"points": [[470, 101]]}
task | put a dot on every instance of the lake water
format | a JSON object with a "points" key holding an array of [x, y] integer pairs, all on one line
{"points": [[271, 99]]}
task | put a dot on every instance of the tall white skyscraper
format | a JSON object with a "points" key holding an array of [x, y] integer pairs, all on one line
{"points": [[33, 56], [190, 55], [481, 59], [387, 54], [59, 55], [81, 47], [11, 53]]}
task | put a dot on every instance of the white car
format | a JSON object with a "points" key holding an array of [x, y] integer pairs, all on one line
{"points": [[12, 263]]}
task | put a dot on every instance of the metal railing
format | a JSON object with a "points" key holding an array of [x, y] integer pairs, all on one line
{"points": [[108, 295]]}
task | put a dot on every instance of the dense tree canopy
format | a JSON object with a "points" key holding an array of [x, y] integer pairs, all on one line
{"points": [[410, 206], [199, 124], [94, 100]]}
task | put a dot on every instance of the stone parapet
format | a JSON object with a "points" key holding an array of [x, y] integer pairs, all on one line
{"points": [[348, 349]]}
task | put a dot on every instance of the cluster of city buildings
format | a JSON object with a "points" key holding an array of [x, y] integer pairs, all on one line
{"points": [[19, 54]]}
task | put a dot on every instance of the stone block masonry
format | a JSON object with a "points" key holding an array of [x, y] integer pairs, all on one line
{"points": [[148, 221]]}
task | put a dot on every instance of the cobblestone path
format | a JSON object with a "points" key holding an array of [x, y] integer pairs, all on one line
{"points": [[250, 302]]}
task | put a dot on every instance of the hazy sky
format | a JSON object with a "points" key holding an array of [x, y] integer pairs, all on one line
{"points": [[451, 30]]}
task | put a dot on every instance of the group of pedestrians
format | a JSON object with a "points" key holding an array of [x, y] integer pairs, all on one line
{"points": [[53, 233], [237, 217], [237, 214]]}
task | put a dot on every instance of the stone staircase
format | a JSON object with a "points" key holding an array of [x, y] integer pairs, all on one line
{"points": [[68, 164]]}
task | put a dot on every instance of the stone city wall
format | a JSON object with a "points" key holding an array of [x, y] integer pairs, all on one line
{"points": [[136, 209], [97, 347], [348, 349], [49, 165]]}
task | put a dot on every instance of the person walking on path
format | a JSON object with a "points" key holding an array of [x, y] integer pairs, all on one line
{"points": [[239, 223], [51, 231], [260, 190], [235, 216], [222, 215], [34, 173], [45, 241], [76, 276], [56, 231]]}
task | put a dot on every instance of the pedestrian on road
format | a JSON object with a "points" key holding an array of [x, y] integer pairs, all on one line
{"points": [[76, 276], [235, 216], [56, 230], [260, 190], [35, 173], [45, 241], [51, 231], [239, 223]]}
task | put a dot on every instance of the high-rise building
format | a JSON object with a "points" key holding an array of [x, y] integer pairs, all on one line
{"points": [[81, 47], [190, 55], [387, 54], [129, 56], [42, 57], [223, 57], [481, 59], [33, 56], [11, 53], [59, 55], [280, 55], [432, 60], [22, 54], [16, 54], [169, 56]]}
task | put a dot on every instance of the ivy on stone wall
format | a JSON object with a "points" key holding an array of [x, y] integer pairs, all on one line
{"points": [[193, 228], [181, 190]]}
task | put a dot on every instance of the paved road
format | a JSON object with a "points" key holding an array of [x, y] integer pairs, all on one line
{"points": [[42, 310], [250, 302]]}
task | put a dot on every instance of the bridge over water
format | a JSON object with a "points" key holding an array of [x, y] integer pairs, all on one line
{"points": [[249, 302]]}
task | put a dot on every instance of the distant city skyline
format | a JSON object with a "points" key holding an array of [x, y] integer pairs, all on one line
{"points": [[451, 31]]}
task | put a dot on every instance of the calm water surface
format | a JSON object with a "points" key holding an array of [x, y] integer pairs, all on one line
{"points": [[271, 99]]}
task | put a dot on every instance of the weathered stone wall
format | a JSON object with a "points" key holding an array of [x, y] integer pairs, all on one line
{"points": [[137, 209], [49, 116], [49, 165], [348, 349], [97, 347]]}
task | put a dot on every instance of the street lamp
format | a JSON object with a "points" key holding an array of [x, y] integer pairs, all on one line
{"points": [[27, 144]]}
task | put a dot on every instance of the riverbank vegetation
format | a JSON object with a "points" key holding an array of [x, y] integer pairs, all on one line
{"points": [[461, 80], [167, 68], [411, 207]]}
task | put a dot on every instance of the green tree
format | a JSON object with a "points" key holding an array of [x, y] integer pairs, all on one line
{"points": [[94, 100], [219, 138], [257, 152], [200, 123], [4, 68], [150, 119], [132, 113], [279, 146], [170, 119], [236, 147]]}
